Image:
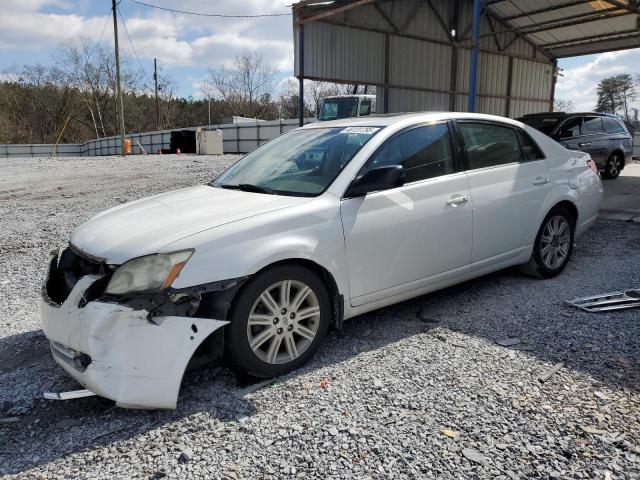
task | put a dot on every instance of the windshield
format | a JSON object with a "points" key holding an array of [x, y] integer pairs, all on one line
{"points": [[333, 108], [544, 124], [300, 163]]}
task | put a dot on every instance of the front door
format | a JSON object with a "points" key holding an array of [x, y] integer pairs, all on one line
{"points": [[396, 238]]}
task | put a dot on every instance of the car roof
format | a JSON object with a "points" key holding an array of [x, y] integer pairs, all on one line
{"points": [[389, 119], [349, 95], [570, 114]]}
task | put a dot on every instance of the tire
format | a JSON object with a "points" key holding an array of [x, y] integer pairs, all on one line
{"points": [[552, 251], [614, 166], [281, 342]]}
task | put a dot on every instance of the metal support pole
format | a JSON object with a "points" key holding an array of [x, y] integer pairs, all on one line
{"points": [[155, 79], [554, 79], [301, 74], [385, 92], [473, 64], [119, 104]]}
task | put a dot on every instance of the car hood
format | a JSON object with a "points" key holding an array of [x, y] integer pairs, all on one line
{"points": [[145, 226]]}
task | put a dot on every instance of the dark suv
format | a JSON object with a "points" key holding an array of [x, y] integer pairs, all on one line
{"points": [[602, 135]]}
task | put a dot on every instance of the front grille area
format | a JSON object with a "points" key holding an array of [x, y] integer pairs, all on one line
{"points": [[66, 269]]}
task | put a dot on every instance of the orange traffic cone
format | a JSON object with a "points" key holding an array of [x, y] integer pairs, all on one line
{"points": [[159, 151], [178, 151]]}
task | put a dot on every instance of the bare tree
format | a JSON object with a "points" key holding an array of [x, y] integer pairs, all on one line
{"points": [[245, 88], [561, 105]]}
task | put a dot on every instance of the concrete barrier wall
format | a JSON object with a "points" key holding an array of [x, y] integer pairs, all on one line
{"points": [[41, 150], [237, 138]]}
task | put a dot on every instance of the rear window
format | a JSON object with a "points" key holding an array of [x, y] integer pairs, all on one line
{"points": [[611, 125], [570, 128], [543, 124], [489, 145], [592, 125], [335, 108], [530, 151]]}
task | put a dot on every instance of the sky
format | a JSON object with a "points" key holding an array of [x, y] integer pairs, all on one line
{"points": [[186, 46]]}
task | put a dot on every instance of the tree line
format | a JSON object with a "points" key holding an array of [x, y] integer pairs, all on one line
{"points": [[73, 100], [617, 94]]}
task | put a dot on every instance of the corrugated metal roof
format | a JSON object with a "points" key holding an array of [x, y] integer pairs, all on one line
{"points": [[559, 28], [574, 27]]}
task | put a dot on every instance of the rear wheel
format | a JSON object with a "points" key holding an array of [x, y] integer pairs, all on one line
{"points": [[613, 167], [553, 246], [278, 321]]}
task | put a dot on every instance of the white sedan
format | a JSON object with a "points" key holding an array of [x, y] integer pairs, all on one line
{"points": [[323, 223]]}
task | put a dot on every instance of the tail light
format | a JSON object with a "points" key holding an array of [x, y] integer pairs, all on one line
{"points": [[592, 165]]}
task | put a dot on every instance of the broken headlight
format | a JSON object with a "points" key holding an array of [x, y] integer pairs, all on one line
{"points": [[151, 272]]}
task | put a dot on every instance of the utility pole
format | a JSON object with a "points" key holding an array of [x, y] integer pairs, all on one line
{"points": [[119, 104], [155, 78]]}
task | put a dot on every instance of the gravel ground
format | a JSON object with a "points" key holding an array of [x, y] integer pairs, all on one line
{"points": [[422, 389]]}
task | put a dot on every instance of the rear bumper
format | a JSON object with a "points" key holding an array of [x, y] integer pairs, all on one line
{"points": [[121, 353]]}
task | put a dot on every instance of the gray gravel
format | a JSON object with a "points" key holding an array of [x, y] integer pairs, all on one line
{"points": [[443, 386]]}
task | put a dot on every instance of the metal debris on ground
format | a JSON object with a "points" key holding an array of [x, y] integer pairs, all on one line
{"points": [[68, 395], [508, 342], [547, 375], [243, 393], [608, 301]]}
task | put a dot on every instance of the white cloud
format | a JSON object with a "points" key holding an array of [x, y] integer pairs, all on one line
{"points": [[175, 39], [41, 31], [579, 84]]}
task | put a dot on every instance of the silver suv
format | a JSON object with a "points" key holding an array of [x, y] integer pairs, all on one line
{"points": [[602, 135]]}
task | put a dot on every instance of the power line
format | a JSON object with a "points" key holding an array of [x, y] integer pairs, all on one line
{"points": [[218, 15], [131, 43]]}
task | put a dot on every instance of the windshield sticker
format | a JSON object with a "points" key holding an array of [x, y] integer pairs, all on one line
{"points": [[364, 130]]}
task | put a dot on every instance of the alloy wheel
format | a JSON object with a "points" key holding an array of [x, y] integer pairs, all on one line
{"points": [[555, 242], [283, 322], [613, 166]]}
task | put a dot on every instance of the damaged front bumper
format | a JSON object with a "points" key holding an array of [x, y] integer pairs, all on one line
{"points": [[134, 356]]}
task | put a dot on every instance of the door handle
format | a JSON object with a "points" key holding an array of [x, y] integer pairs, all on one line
{"points": [[587, 144], [540, 181], [457, 200]]}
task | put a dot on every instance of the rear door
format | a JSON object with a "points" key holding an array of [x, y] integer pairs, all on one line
{"points": [[594, 140], [509, 181], [569, 133]]}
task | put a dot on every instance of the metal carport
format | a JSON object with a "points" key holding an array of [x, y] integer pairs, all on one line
{"points": [[492, 56]]}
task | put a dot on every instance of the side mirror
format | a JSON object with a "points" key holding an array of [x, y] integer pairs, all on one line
{"points": [[380, 178]]}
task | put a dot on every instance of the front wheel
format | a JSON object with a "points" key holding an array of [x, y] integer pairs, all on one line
{"points": [[613, 167], [278, 321], [553, 246]]}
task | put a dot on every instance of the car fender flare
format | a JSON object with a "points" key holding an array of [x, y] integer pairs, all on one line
{"points": [[302, 250], [569, 195]]}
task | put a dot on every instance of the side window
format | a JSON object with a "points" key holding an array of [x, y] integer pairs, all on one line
{"points": [[570, 128], [424, 152], [611, 125], [489, 145], [530, 151], [365, 108], [591, 125]]}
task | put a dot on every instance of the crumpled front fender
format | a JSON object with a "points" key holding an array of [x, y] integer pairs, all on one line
{"points": [[135, 360]]}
